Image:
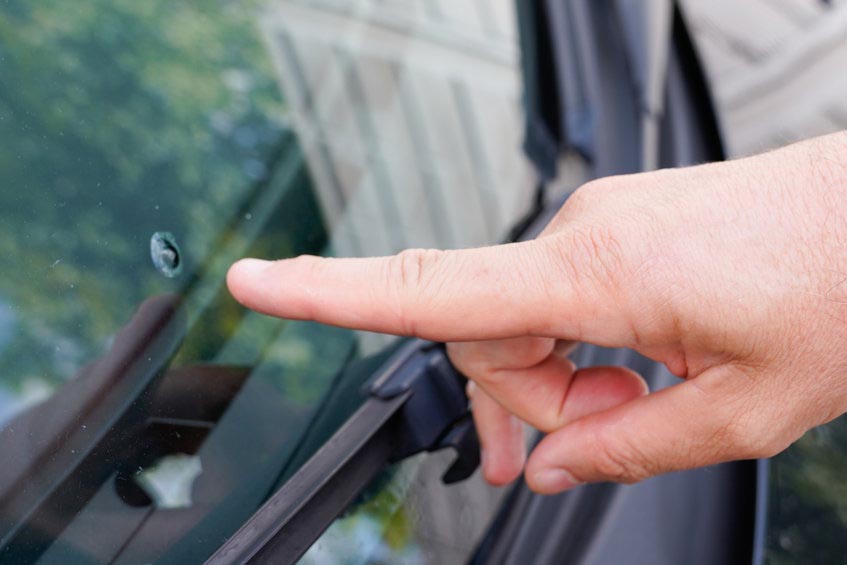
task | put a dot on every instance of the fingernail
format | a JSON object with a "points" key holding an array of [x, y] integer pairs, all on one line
{"points": [[252, 266], [550, 481]]}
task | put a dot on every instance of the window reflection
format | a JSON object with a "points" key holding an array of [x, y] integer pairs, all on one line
{"points": [[408, 516], [258, 127]]}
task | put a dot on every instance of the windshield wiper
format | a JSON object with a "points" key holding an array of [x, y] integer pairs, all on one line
{"points": [[416, 403]]}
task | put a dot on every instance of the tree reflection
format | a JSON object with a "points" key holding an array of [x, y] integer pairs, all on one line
{"points": [[808, 498], [118, 119]]}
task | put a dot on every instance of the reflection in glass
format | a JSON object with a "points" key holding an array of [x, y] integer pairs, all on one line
{"points": [[807, 506], [408, 516], [241, 128]]}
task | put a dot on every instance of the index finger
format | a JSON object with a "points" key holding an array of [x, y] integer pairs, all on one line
{"points": [[485, 293]]}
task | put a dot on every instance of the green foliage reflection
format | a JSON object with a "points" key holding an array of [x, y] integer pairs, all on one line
{"points": [[807, 514], [117, 119]]}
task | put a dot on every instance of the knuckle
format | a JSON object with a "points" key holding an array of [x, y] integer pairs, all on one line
{"points": [[746, 434], [733, 440], [594, 251], [460, 356], [466, 360], [472, 362], [479, 369], [750, 442], [742, 420], [768, 449], [409, 274], [617, 459], [590, 196], [413, 266]]}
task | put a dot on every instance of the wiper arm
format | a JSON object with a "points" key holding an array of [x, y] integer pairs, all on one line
{"points": [[416, 404]]}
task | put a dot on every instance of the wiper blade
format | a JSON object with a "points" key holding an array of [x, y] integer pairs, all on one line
{"points": [[416, 404]]}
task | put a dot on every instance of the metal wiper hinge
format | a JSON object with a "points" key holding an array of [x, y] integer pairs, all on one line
{"points": [[416, 403]]}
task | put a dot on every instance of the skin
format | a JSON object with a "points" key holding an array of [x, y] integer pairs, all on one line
{"points": [[734, 275]]}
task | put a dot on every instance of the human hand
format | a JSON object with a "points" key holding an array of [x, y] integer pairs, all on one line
{"points": [[734, 275]]}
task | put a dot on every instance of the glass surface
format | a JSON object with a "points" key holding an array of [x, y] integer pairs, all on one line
{"points": [[785, 59], [409, 516], [144, 415], [807, 502]]}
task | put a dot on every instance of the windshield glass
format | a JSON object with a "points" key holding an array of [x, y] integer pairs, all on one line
{"points": [[146, 145]]}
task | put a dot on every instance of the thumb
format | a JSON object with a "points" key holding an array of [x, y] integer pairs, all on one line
{"points": [[538, 288], [699, 422]]}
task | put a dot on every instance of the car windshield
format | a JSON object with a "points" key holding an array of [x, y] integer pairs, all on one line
{"points": [[146, 145]]}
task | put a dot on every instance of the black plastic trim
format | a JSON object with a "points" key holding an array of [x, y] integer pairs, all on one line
{"points": [[416, 403], [293, 518]]}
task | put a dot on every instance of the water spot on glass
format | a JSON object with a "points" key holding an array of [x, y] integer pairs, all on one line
{"points": [[248, 216], [72, 285], [56, 262], [165, 254]]}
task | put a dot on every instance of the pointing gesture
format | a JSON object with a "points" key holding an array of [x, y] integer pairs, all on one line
{"points": [[730, 274]]}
